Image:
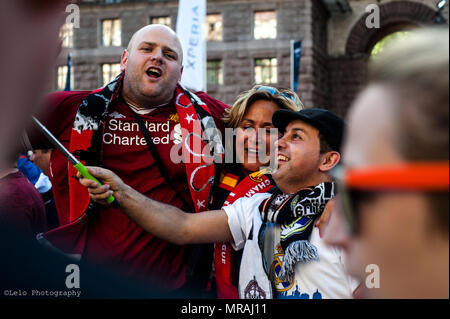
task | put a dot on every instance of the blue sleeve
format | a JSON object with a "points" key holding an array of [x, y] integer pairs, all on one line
{"points": [[31, 171]]}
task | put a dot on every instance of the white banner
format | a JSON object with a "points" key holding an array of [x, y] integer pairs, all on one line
{"points": [[191, 31]]}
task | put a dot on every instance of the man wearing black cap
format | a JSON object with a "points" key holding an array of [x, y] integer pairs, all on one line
{"points": [[284, 256]]}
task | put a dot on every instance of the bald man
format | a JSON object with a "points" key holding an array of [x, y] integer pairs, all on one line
{"points": [[147, 82], [113, 127]]}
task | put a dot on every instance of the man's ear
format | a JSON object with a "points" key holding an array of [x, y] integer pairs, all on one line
{"points": [[123, 61], [329, 160], [181, 73]]}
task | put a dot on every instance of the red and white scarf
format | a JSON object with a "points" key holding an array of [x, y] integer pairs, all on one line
{"points": [[224, 261]]}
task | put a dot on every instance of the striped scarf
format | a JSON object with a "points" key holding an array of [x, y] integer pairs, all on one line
{"points": [[296, 214]]}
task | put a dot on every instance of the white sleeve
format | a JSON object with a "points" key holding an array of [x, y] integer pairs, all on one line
{"points": [[240, 217], [43, 184]]}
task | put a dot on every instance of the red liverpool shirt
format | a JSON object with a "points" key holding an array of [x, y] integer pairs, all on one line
{"points": [[113, 238]]}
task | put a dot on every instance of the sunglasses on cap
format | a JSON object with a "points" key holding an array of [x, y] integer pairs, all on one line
{"points": [[274, 91], [357, 186]]}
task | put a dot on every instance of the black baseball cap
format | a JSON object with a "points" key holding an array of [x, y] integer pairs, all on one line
{"points": [[329, 124]]}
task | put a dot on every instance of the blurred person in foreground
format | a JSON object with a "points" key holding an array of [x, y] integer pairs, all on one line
{"points": [[29, 32], [394, 199], [33, 166], [22, 207]]}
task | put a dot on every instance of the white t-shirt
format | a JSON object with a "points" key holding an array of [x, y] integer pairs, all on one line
{"points": [[322, 279]]}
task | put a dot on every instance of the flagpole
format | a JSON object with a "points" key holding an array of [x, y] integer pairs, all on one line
{"points": [[69, 70], [205, 57], [292, 64]]}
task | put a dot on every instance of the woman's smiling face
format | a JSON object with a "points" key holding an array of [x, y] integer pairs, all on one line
{"points": [[253, 134]]}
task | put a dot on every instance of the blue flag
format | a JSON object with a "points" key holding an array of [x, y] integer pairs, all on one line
{"points": [[69, 69], [296, 52]]}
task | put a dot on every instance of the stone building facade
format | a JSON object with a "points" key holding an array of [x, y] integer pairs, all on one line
{"points": [[336, 43]]}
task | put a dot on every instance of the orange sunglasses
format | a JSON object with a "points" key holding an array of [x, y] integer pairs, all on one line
{"points": [[355, 183]]}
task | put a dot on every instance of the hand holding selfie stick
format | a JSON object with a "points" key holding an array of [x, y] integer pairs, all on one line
{"points": [[71, 158]]}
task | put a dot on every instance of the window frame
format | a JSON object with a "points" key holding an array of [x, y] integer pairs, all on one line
{"points": [[66, 27], [102, 34], [218, 73], [276, 70], [254, 24], [162, 16], [72, 77], [207, 29], [102, 80]]}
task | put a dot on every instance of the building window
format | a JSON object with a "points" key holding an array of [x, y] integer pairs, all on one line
{"points": [[109, 72], [112, 1], [266, 71], [61, 79], [111, 33], [265, 25], [215, 72], [214, 27], [167, 21], [66, 34]]}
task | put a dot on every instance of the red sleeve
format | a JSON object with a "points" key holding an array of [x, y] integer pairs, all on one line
{"points": [[57, 116]]}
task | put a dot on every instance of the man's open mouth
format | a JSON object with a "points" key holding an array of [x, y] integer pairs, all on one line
{"points": [[154, 72]]}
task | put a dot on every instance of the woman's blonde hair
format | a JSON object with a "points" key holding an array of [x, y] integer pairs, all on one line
{"points": [[284, 98]]}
